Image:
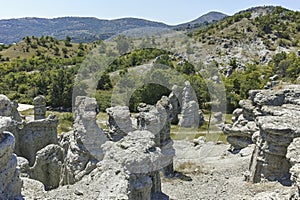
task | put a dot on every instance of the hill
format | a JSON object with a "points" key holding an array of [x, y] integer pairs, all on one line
{"points": [[202, 21], [80, 29], [250, 36]]}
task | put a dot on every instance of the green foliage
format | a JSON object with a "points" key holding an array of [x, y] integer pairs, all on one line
{"points": [[286, 66], [25, 77], [149, 93], [104, 82], [133, 59], [68, 41], [103, 98], [239, 83]]}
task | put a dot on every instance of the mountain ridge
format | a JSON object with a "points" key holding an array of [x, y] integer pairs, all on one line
{"points": [[80, 29]]}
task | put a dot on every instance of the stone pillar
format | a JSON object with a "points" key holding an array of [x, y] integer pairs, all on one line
{"points": [[174, 101], [190, 108], [39, 103]]}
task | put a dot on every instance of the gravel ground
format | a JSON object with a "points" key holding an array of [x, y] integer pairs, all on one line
{"points": [[211, 172]]}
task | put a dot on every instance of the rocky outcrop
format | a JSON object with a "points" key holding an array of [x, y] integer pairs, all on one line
{"points": [[276, 114], [34, 135], [119, 122], [82, 146], [48, 165], [129, 170], [190, 108], [10, 183], [293, 156], [239, 134], [85, 127], [157, 119]]}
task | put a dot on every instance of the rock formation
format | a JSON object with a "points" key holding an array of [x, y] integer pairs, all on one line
{"points": [[48, 165], [174, 101], [239, 134], [129, 170], [275, 113], [293, 156], [10, 183], [157, 119], [190, 108], [119, 122], [39, 103], [33, 135], [85, 127], [82, 146]]}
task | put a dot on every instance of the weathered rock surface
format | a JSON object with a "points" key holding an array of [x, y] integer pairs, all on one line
{"points": [[174, 101], [34, 135], [48, 165], [190, 109], [10, 183], [119, 122], [293, 156], [239, 134], [82, 146], [85, 127], [157, 119], [129, 170], [39, 103], [271, 117]]}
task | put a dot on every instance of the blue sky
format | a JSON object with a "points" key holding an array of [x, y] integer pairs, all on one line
{"points": [[167, 11]]}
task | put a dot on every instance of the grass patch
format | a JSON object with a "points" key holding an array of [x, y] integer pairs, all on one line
{"points": [[102, 119], [66, 120], [27, 112]]}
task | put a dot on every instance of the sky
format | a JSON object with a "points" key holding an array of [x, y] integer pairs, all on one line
{"points": [[168, 11]]}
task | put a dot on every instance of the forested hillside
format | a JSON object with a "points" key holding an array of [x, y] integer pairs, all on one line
{"points": [[247, 49]]}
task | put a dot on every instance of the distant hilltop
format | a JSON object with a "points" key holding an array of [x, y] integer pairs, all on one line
{"points": [[84, 29]]}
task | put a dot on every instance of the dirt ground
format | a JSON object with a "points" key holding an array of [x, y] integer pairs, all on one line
{"points": [[207, 171], [210, 171]]}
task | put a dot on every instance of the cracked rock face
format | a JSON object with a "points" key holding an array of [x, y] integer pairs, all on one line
{"points": [[129, 170], [48, 165]]}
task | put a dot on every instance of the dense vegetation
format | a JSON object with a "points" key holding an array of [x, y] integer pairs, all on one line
{"points": [[41, 66]]}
